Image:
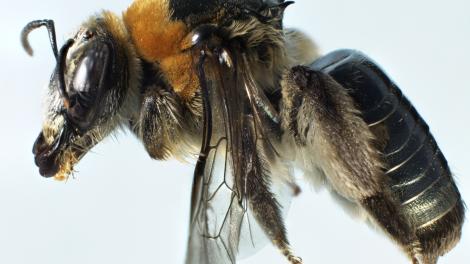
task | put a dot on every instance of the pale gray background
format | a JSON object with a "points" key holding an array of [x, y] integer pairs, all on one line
{"points": [[125, 208]]}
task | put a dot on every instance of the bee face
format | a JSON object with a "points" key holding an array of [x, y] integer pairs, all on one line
{"points": [[87, 95]]}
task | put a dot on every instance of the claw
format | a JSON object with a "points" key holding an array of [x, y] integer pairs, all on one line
{"points": [[295, 260], [415, 260], [423, 259]]}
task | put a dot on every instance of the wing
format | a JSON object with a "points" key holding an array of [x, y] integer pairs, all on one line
{"points": [[234, 165]]}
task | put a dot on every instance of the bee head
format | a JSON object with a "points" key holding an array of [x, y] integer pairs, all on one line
{"points": [[88, 94]]}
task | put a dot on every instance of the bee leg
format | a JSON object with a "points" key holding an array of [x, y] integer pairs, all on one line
{"points": [[160, 121], [384, 211], [267, 211], [330, 136], [429, 260]]}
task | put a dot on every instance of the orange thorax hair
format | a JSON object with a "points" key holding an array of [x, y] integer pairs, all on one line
{"points": [[160, 39]]}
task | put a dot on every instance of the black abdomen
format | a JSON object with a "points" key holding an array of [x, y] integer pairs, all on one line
{"points": [[418, 175]]}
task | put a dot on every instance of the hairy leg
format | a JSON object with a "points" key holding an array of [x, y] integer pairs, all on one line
{"points": [[330, 136]]}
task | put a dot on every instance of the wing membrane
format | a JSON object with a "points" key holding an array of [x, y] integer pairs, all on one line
{"points": [[234, 147]]}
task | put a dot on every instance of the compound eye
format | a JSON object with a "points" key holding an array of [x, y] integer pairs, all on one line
{"points": [[88, 85]]}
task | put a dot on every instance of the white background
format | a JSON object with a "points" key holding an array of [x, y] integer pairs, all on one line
{"points": [[123, 207]]}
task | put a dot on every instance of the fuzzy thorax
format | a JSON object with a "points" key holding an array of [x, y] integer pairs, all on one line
{"points": [[160, 39]]}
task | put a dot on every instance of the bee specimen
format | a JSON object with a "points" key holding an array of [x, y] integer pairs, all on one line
{"points": [[225, 81]]}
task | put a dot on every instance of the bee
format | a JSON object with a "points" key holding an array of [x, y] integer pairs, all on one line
{"points": [[226, 82]]}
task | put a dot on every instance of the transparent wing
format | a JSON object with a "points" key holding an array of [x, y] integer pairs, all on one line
{"points": [[223, 226], [218, 213]]}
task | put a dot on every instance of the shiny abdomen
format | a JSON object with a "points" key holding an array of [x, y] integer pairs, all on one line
{"points": [[417, 172]]}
